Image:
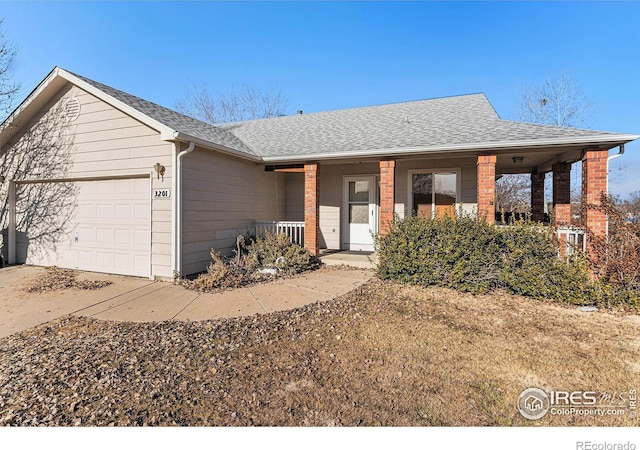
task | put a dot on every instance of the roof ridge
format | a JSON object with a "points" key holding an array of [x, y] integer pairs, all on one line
{"points": [[353, 108]]}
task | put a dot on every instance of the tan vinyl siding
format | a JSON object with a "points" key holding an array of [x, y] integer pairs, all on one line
{"points": [[105, 142], [295, 197], [223, 196]]}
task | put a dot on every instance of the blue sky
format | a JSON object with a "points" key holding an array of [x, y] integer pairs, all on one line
{"points": [[332, 55]]}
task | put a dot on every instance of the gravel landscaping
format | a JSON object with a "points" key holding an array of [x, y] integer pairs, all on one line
{"points": [[384, 354]]}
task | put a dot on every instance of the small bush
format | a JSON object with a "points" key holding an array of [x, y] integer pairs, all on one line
{"points": [[615, 258], [277, 251], [470, 255], [274, 251]]}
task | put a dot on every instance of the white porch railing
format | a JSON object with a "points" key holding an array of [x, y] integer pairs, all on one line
{"points": [[295, 230], [574, 238]]}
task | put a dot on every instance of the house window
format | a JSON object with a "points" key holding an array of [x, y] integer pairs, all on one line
{"points": [[433, 193]]}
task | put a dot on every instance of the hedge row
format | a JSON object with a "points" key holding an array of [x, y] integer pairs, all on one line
{"points": [[470, 255]]}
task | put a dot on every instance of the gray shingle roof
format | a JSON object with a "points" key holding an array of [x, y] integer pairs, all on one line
{"points": [[460, 120], [466, 121], [173, 119]]}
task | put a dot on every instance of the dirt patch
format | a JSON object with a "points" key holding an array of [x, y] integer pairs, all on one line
{"points": [[55, 278], [384, 354]]}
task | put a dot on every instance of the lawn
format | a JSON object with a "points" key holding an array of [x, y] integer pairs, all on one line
{"points": [[385, 354]]}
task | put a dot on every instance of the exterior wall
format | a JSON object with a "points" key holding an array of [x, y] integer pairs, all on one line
{"points": [[105, 142], [294, 201], [223, 196], [331, 190]]}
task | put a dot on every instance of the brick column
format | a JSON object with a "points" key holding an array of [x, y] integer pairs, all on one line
{"points": [[537, 196], [594, 183], [312, 208], [487, 187], [561, 194], [387, 195]]}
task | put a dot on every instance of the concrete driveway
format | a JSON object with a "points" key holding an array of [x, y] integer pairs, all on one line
{"points": [[140, 300]]}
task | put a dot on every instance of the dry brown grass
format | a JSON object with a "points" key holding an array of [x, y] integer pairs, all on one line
{"points": [[385, 354]]}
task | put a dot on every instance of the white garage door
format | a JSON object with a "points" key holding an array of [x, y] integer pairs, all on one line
{"points": [[108, 230]]}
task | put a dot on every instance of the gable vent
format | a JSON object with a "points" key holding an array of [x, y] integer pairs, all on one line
{"points": [[72, 109]]}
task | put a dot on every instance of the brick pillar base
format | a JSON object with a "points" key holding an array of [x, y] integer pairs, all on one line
{"points": [[537, 196], [312, 208], [487, 187], [594, 183], [561, 194], [387, 195]]}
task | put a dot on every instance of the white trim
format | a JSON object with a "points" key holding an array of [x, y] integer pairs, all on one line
{"points": [[151, 277], [497, 146], [174, 208], [176, 135], [411, 172]]}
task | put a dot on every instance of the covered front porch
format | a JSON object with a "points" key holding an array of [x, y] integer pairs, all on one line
{"points": [[342, 205]]}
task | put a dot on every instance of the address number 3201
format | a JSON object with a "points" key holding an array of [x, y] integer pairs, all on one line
{"points": [[162, 193]]}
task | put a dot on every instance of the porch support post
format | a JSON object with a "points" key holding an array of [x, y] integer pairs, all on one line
{"points": [[537, 196], [487, 188], [387, 195], [594, 183], [561, 194], [312, 208]]}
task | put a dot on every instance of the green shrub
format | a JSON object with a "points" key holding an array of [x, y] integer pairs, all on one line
{"points": [[277, 251], [468, 254]]}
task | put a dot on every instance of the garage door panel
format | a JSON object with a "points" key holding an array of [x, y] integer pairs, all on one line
{"points": [[123, 212], [86, 235], [124, 238], [104, 212], [109, 230], [142, 212], [104, 236]]}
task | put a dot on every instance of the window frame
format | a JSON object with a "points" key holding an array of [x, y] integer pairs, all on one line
{"points": [[434, 171]]}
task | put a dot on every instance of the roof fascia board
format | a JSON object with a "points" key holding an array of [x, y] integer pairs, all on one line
{"points": [[612, 140], [179, 136], [28, 101]]}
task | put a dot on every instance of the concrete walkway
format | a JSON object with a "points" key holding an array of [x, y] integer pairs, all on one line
{"points": [[140, 300]]}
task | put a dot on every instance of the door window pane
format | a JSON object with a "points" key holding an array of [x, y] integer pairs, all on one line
{"points": [[358, 213], [422, 194], [359, 191]]}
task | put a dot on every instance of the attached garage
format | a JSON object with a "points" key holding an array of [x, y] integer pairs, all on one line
{"points": [[107, 228]]}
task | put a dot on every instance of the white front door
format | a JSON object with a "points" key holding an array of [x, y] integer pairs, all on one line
{"points": [[359, 212]]}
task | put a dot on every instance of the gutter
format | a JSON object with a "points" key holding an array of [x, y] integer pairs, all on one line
{"points": [[176, 216], [179, 136], [457, 148]]}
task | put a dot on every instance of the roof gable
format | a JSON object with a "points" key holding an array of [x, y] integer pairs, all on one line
{"points": [[465, 123]]}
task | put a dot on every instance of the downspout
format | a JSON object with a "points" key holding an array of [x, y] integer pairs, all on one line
{"points": [[177, 271], [610, 158]]}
